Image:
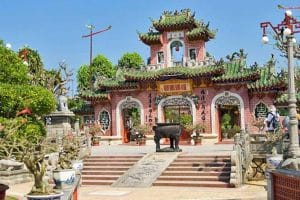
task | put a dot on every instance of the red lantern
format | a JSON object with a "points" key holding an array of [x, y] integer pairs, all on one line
{"points": [[177, 47]]}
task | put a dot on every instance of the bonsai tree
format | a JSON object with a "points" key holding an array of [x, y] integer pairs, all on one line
{"points": [[199, 128], [69, 152], [196, 129], [140, 131], [23, 139], [95, 130], [226, 124]]}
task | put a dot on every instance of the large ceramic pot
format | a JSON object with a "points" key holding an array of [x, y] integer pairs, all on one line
{"points": [[273, 161], [3, 189], [197, 140], [45, 197], [64, 178], [77, 165], [95, 140]]}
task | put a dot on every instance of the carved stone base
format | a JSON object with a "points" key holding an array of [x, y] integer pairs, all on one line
{"points": [[291, 164], [14, 177]]}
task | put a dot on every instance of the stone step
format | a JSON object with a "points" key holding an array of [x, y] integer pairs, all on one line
{"points": [[195, 173], [115, 157], [198, 164], [100, 177], [218, 184], [89, 164], [206, 169], [111, 160], [203, 156], [97, 182], [115, 168], [202, 160], [102, 172], [194, 178]]}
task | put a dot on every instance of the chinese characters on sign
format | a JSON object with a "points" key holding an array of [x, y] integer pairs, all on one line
{"points": [[175, 86]]}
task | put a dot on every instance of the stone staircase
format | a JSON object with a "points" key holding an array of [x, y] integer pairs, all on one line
{"points": [[197, 171], [105, 170]]}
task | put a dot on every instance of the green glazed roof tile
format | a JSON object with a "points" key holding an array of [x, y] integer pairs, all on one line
{"points": [[236, 71], [150, 38], [87, 94], [179, 72]]}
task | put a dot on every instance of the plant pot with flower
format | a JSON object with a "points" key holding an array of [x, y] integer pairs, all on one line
{"points": [[94, 131], [196, 131]]}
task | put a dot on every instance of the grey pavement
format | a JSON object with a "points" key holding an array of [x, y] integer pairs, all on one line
{"points": [[252, 191]]}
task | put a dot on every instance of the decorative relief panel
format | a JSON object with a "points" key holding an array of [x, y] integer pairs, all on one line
{"points": [[227, 100]]}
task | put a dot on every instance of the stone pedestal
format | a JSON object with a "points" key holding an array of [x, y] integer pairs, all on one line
{"points": [[60, 123]]}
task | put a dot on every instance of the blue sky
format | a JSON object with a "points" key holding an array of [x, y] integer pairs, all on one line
{"points": [[55, 27]]}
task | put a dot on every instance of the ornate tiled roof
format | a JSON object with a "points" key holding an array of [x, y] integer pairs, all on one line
{"points": [[268, 81], [117, 83], [150, 38], [236, 72], [176, 72], [90, 95], [174, 21], [201, 33], [84, 109]]}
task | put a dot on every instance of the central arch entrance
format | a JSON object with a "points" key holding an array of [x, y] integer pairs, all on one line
{"points": [[129, 113], [177, 109]]}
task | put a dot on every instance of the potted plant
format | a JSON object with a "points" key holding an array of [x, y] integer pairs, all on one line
{"points": [[64, 176], [195, 131], [225, 125], [140, 132], [94, 131], [23, 138], [198, 128]]}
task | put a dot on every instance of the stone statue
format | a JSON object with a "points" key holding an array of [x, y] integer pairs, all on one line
{"points": [[60, 90], [167, 130]]}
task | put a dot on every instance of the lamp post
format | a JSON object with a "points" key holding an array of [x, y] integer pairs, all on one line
{"points": [[284, 35], [91, 27]]}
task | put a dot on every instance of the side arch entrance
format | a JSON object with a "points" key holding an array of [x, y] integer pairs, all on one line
{"points": [[227, 111]]}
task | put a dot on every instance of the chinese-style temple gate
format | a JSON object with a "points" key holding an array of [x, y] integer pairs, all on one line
{"points": [[183, 82]]}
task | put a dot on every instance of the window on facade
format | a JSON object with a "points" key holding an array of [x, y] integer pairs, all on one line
{"points": [[104, 120], [160, 57], [192, 54], [261, 110]]}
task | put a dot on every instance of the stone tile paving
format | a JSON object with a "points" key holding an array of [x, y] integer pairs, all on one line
{"points": [[246, 192]]}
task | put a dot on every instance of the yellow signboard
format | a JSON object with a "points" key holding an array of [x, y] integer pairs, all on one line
{"points": [[174, 86]]}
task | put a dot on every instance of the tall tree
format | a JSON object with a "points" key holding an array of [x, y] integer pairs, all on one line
{"points": [[101, 67], [12, 69], [16, 91], [131, 61]]}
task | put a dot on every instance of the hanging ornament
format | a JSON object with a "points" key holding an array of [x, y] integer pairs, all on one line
{"points": [[177, 47]]}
